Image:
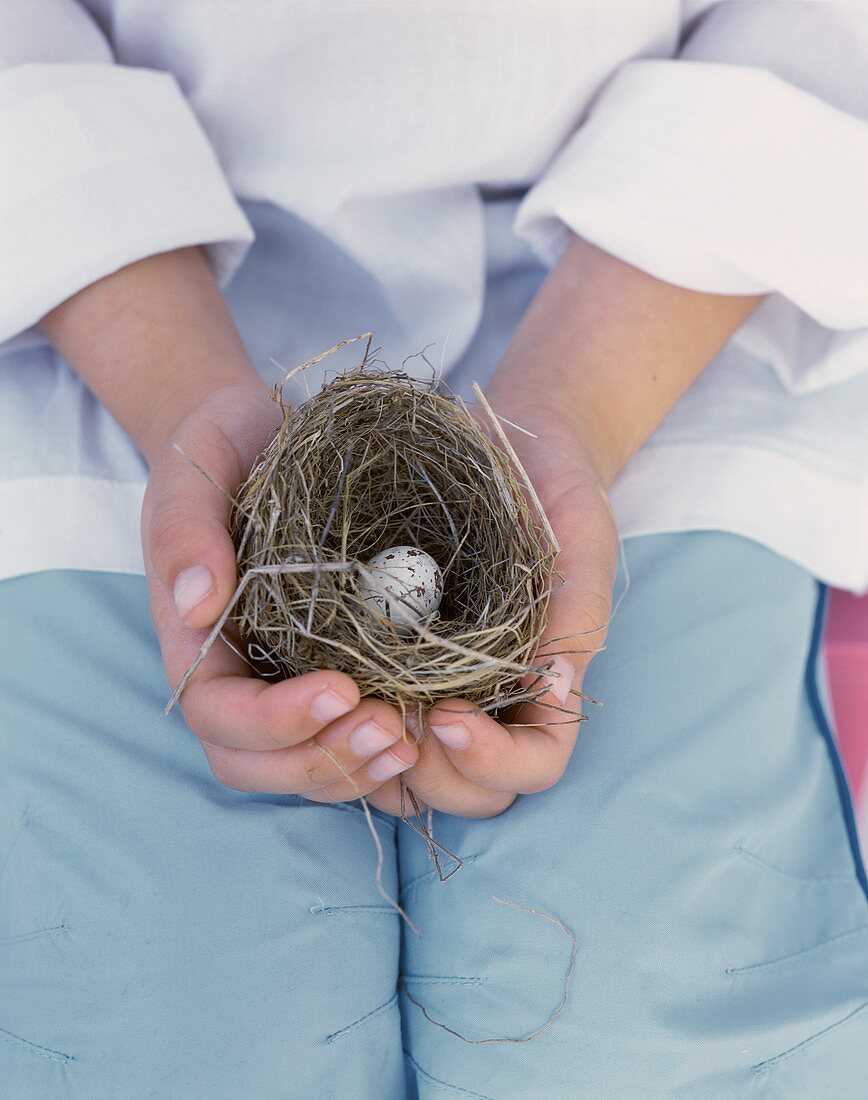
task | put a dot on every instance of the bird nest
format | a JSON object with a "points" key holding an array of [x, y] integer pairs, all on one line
{"points": [[377, 459]]}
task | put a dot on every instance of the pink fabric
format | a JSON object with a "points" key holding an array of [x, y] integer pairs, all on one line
{"points": [[846, 655]]}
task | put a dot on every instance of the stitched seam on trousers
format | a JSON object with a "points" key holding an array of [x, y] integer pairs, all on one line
{"points": [[822, 880], [354, 910], [34, 1048], [25, 817], [820, 947], [438, 979], [393, 1000], [770, 1063], [430, 876], [443, 1085], [21, 937]]}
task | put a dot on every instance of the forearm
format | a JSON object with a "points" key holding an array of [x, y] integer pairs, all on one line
{"points": [[603, 346], [150, 341], [610, 350]]}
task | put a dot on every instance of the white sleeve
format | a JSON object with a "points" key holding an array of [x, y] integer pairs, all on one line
{"points": [[739, 167], [100, 165]]}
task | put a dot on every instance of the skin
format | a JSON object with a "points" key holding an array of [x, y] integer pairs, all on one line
{"points": [[601, 356]]}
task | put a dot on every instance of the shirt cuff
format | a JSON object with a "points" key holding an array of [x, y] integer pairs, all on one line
{"points": [[718, 178], [102, 165]]}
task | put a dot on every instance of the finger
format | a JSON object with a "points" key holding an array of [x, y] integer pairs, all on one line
{"points": [[437, 782], [371, 740], [346, 761], [580, 604], [366, 781], [519, 759], [241, 712], [387, 797], [544, 732], [186, 543], [225, 705]]}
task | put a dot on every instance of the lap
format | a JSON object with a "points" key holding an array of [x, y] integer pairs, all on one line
{"points": [[697, 850], [162, 935]]}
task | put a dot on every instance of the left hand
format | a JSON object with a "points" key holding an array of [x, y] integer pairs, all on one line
{"points": [[471, 765]]}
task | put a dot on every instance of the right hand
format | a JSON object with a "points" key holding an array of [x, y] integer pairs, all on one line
{"points": [[257, 736]]}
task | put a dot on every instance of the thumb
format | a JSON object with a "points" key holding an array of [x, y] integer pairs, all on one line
{"points": [[185, 540], [580, 606]]}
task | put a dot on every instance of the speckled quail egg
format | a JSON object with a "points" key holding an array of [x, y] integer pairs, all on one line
{"points": [[403, 577]]}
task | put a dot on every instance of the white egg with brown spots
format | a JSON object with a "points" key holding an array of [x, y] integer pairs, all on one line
{"points": [[403, 583]]}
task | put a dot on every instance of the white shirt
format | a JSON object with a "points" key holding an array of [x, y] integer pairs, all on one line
{"points": [[414, 168]]}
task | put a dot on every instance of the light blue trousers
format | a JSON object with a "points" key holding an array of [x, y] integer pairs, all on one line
{"points": [[163, 936]]}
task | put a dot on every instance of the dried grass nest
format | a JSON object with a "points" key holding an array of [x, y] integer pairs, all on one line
{"points": [[376, 459]]}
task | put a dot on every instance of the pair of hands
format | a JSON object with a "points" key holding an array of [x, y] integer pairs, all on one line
{"points": [[601, 355], [307, 734]]}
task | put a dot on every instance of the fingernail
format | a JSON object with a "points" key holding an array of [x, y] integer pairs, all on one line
{"points": [[369, 738], [386, 765], [456, 736], [192, 585], [560, 678], [328, 705]]}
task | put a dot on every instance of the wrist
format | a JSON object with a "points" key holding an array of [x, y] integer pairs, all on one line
{"points": [[156, 421], [608, 350], [549, 410], [152, 341]]}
